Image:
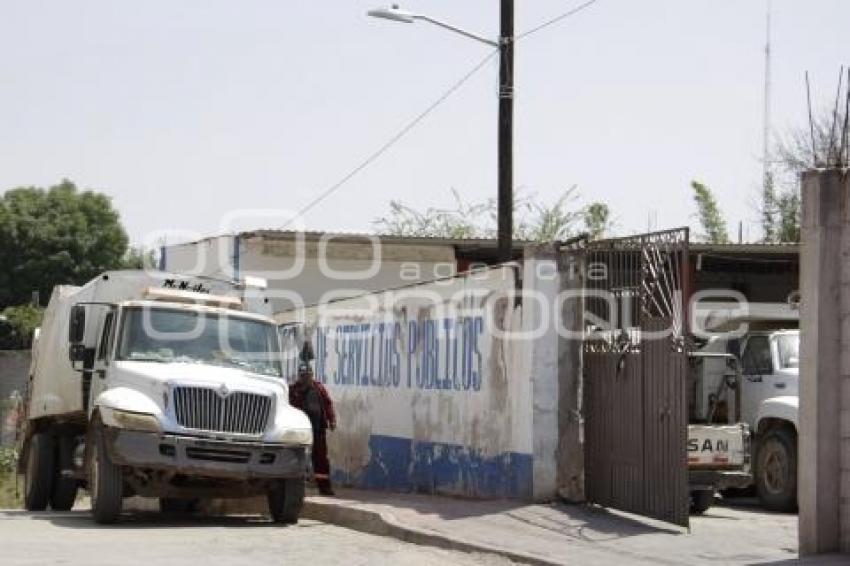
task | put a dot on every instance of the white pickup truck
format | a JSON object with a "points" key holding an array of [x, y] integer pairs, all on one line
{"points": [[769, 351], [160, 385]]}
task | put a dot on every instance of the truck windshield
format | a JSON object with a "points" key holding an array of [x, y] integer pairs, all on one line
{"points": [[789, 350], [182, 336]]}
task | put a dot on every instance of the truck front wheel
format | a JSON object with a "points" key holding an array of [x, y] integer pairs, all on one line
{"points": [[39, 472], [286, 500], [106, 482], [64, 488], [776, 470]]}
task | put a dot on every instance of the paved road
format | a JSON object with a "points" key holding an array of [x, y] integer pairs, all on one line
{"points": [[146, 539]]}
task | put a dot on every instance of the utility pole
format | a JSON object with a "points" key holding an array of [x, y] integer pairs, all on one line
{"points": [[767, 178], [505, 45], [506, 132]]}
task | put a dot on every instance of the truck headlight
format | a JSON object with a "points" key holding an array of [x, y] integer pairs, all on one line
{"points": [[129, 420], [297, 436]]}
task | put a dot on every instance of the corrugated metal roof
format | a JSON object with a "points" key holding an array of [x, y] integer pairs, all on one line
{"points": [[747, 248], [697, 247], [388, 238]]}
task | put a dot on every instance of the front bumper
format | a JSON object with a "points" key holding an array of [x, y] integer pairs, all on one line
{"points": [[205, 457]]}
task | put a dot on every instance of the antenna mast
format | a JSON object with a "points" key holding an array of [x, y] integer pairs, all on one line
{"points": [[768, 199], [766, 141]]}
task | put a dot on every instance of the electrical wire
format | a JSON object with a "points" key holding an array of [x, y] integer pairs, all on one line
{"points": [[395, 138], [424, 114], [555, 20]]}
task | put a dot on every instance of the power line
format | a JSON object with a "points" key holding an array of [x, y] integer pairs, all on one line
{"points": [[395, 138], [420, 117], [554, 21]]}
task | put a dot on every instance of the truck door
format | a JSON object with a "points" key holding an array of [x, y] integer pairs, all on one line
{"points": [[102, 355], [757, 368]]}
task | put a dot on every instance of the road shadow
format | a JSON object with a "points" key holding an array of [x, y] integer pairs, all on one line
{"points": [[580, 521]]}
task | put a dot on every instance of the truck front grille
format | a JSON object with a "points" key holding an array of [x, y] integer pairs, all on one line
{"points": [[207, 409]]}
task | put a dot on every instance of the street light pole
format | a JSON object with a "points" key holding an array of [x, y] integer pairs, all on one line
{"points": [[505, 44], [506, 132]]}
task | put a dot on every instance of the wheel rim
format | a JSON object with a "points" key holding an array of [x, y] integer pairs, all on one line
{"points": [[775, 467]]}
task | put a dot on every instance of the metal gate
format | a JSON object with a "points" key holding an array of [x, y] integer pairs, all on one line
{"points": [[635, 371]]}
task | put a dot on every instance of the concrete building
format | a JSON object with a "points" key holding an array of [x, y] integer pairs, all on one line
{"points": [[312, 266]]}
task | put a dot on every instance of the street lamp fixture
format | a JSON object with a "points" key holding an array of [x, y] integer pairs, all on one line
{"points": [[393, 13], [396, 14], [505, 44]]}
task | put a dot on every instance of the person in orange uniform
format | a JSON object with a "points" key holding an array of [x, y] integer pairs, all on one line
{"points": [[313, 398]]}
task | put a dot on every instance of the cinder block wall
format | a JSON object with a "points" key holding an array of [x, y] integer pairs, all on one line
{"points": [[824, 442]]}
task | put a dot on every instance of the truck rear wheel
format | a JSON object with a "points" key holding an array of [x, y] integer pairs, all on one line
{"points": [[106, 482], [286, 500], [776, 470], [701, 500], [64, 491], [39, 472]]}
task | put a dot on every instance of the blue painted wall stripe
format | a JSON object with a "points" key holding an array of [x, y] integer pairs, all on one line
{"points": [[402, 464]]}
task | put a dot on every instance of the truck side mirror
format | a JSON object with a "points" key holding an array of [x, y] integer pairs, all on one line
{"points": [[76, 353], [77, 325]]}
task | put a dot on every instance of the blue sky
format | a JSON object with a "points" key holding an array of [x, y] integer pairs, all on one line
{"points": [[183, 111]]}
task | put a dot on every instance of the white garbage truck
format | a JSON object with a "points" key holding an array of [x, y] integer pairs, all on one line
{"points": [[165, 386]]}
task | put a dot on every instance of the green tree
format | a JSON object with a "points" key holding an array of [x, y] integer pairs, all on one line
{"points": [[597, 220], [17, 325], [534, 220], [798, 149], [712, 222], [58, 235], [462, 221], [138, 257]]}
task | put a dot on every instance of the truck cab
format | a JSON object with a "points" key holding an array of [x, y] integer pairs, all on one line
{"points": [[770, 404], [141, 388]]}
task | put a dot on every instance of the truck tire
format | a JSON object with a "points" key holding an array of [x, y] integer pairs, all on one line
{"points": [[64, 491], [286, 501], [701, 500], [776, 470], [39, 472], [106, 482]]}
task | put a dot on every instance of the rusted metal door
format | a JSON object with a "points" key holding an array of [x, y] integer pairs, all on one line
{"points": [[635, 371]]}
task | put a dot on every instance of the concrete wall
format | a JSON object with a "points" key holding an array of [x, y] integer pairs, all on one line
{"points": [[341, 268], [570, 454], [303, 272], [445, 387], [824, 442], [212, 257], [14, 370]]}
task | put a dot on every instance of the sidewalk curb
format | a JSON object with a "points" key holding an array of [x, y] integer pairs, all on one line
{"points": [[385, 524]]}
